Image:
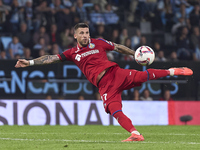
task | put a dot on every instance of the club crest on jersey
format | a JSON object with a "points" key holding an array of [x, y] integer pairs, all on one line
{"points": [[91, 45]]}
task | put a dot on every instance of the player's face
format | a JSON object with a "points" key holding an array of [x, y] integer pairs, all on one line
{"points": [[82, 35]]}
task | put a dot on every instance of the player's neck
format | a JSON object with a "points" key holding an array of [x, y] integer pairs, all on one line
{"points": [[80, 46]]}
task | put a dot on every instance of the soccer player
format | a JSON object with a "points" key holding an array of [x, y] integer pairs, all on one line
{"points": [[90, 56]]}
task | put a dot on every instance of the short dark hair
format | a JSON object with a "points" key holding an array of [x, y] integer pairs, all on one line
{"points": [[80, 25]]}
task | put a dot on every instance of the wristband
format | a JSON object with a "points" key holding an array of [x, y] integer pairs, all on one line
{"points": [[31, 62]]}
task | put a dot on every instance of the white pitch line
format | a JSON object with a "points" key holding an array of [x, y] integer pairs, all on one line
{"points": [[107, 133], [89, 141], [86, 141]]}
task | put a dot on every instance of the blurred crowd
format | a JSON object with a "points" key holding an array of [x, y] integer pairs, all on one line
{"points": [[40, 27], [135, 96]]}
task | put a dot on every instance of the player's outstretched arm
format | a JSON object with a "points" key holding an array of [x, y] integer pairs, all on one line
{"points": [[43, 60], [123, 49]]}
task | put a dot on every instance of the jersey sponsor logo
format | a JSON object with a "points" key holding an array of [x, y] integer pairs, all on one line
{"points": [[79, 56], [91, 45]]}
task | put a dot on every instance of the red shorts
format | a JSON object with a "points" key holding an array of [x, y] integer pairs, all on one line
{"points": [[114, 82]]}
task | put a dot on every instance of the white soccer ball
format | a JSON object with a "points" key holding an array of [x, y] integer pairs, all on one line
{"points": [[144, 55]]}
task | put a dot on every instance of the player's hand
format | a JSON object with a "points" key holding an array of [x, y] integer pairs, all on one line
{"points": [[22, 63]]}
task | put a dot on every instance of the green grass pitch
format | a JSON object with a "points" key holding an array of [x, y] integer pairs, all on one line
{"points": [[96, 137]]}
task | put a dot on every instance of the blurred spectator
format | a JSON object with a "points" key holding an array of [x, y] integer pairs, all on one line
{"points": [[73, 44], [75, 16], [173, 57], [183, 12], [16, 16], [160, 56], [166, 96], [66, 38], [17, 56], [27, 54], [42, 45], [7, 2], [96, 16], [97, 96], [1, 46], [146, 96], [101, 3], [15, 47], [132, 9], [41, 34], [29, 15], [4, 12], [56, 6], [168, 17], [123, 36], [181, 23], [142, 8], [54, 35], [48, 97], [195, 16], [3, 54], [42, 52], [184, 52], [111, 18], [42, 12], [101, 32], [67, 3], [135, 39], [195, 37], [81, 10], [179, 2], [136, 95], [158, 18], [128, 44], [24, 36], [115, 36], [156, 47], [55, 49], [81, 97], [61, 97], [63, 20], [143, 41], [196, 54]]}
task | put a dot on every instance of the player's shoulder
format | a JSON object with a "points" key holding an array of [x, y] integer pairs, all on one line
{"points": [[102, 41], [69, 50]]}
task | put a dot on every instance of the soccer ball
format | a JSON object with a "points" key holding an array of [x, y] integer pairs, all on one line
{"points": [[144, 55]]}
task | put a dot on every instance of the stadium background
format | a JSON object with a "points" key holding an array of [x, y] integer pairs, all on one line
{"points": [[30, 29]]}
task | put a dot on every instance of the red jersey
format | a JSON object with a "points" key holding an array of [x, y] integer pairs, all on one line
{"points": [[92, 59]]}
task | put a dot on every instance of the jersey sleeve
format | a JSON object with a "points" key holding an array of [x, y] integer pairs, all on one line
{"points": [[107, 45], [66, 55]]}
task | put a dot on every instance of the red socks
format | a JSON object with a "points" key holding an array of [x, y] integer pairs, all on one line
{"points": [[154, 74], [150, 74], [115, 109], [124, 121]]}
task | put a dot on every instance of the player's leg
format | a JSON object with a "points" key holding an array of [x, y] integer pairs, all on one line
{"points": [[115, 109], [153, 74]]}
